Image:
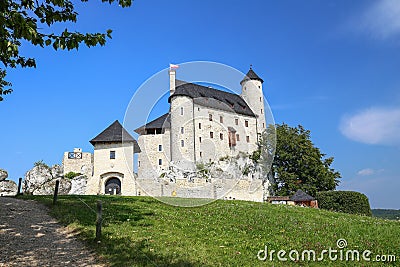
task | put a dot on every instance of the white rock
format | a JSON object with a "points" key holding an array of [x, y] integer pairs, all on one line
{"points": [[78, 185], [8, 188], [3, 174], [41, 181]]}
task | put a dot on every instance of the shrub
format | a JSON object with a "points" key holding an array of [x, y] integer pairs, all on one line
{"points": [[71, 175], [344, 201]]}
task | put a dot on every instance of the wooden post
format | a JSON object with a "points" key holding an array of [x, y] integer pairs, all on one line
{"points": [[99, 220], [56, 192], [19, 186]]}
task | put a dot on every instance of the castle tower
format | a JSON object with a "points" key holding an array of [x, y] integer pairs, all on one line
{"points": [[113, 162], [182, 127], [252, 93]]}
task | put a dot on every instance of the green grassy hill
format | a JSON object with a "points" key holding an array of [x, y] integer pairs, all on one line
{"points": [[140, 231]]}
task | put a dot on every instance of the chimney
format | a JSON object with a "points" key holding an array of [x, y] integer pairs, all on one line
{"points": [[172, 75]]}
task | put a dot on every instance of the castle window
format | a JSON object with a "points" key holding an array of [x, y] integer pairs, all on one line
{"points": [[221, 119], [237, 121], [246, 123], [260, 99], [159, 161], [199, 125], [211, 135], [221, 136], [182, 143], [198, 109], [181, 110], [199, 139], [237, 137], [259, 86], [159, 147], [263, 125], [139, 163], [247, 139], [112, 154], [210, 117], [182, 130], [201, 154], [261, 111]]}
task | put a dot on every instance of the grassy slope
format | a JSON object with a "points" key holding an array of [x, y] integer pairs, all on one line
{"points": [[140, 231]]}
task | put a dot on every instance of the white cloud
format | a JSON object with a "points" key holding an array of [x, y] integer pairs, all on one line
{"points": [[373, 126], [366, 172], [381, 20]]}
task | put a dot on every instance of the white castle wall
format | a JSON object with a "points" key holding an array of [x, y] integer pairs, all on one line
{"points": [[104, 168], [148, 158], [83, 165], [182, 116], [212, 149], [252, 93]]}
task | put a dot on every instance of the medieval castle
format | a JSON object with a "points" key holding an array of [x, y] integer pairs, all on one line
{"points": [[203, 126]]}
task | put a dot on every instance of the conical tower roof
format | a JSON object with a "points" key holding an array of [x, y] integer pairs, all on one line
{"points": [[251, 75], [115, 133]]}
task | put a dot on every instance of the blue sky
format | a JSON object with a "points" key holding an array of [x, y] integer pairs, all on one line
{"points": [[331, 66]]}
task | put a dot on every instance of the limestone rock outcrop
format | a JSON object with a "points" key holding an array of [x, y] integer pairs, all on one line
{"points": [[41, 180], [78, 185], [8, 188], [3, 174]]}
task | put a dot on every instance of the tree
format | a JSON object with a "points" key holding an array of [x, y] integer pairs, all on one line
{"points": [[30, 20], [298, 164]]}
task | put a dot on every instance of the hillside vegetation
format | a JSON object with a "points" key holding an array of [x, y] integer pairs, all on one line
{"points": [[386, 214], [141, 231]]}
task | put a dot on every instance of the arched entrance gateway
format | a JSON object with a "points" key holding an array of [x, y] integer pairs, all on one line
{"points": [[113, 186]]}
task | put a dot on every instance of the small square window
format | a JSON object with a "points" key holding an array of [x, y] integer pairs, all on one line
{"points": [[246, 123], [237, 137], [159, 161], [221, 136], [199, 125], [247, 139], [182, 143], [237, 121], [221, 119], [112, 154], [210, 117], [211, 135], [159, 147], [182, 130]]}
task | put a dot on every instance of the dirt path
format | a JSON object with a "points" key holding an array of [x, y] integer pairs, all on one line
{"points": [[30, 237]]}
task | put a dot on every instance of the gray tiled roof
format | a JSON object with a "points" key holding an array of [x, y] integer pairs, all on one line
{"points": [[251, 75], [300, 195], [161, 122], [115, 133], [213, 98]]}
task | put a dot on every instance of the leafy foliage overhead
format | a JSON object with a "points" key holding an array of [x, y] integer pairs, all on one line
{"points": [[30, 20]]}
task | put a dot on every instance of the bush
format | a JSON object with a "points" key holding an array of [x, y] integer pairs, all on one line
{"points": [[344, 201], [71, 175]]}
